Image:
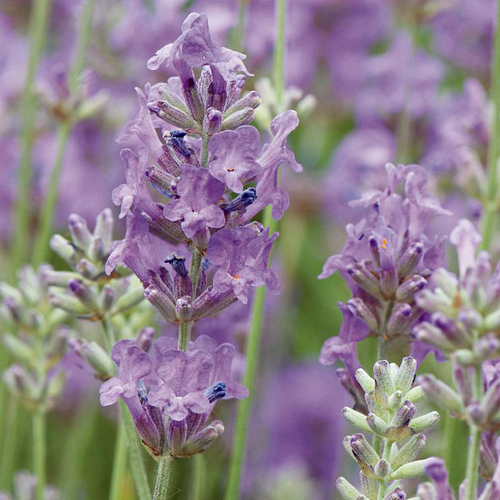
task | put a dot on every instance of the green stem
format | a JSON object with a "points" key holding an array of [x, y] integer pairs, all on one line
{"points": [[491, 206], [199, 479], [50, 202], [472, 470], [10, 444], [204, 150], [194, 272], [238, 33], [184, 335], [38, 31], [279, 51], [39, 452], [130, 432], [163, 477], [119, 463], [456, 439], [383, 484], [382, 339], [135, 452]]}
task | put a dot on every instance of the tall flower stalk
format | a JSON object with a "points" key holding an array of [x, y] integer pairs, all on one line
{"points": [[491, 202], [49, 205], [256, 321], [38, 33]]}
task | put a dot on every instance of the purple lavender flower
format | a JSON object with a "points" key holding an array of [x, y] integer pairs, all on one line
{"points": [[172, 396], [196, 48], [196, 206], [233, 157], [241, 256]]}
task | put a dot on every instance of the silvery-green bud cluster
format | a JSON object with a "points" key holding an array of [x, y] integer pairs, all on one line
{"points": [[35, 336], [86, 291], [396, 430], [465, 313]]}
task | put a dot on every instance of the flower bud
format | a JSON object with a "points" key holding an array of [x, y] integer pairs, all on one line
{"points": [[84, 294], [360, 309], [80, 233], [184, 309], [400, 320], [381, 372], [365, 381], [129, 300], [21, 384], [57, 344], [382, 469], [364, 279], [407, 290], [172, 115], [20, 350], [212, 121], [59, 278], [419, 424], [107, 299], [237, 119], [407, 471], [176, 436], [347, 490], [250, 100], [192, 99], [441, 394], [389, 280], [377, 425], [203, 439], [410, 259], [357, 419], [88, 269], [397, 494], [95, 356], [363, 451], [403, 416], [67, 303], [409, 451], [104, 228], [63, 248], [96, 251], [145, 338], [162, 302]]}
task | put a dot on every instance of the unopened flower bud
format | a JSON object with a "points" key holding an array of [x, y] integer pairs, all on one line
{"points": [[79, 231], [407, 290], [67, 303], [441, 394], [408, 471], [381, 372], [487, 347], [145, 338], [21, 384], [360, 309], [365, 381], [446, 281], [403, 416], [20, 350], [364, 279], [419, 424], [410, 259], [432, 302], [389, 280], [88, 269], [95, 356], [347, 490], [237, 119], [250, 100], [409, 451], [172, 115], [203, 439], [63, 248], [212, 121], [400, 320], [84, 294], [397, 494], [184, 309], [377, 425], [382, 469], [162, 302], [129, 300], [357, 419], [57, 344], [97, 251], [104, 228]]}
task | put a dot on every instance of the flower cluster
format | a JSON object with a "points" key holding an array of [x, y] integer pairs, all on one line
{"points": [[398, 438], [386, 260], [214, 183], [35, 335], [171, 393]]}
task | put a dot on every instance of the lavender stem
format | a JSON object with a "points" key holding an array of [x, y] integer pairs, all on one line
{"points": [[163, 477], [39, 451]]}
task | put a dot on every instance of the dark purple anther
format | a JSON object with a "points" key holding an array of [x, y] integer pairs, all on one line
{"points": [[177, 141], [216, 391], [243, 200], [178, 263]]}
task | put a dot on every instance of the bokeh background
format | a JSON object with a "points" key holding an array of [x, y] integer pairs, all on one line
{"points": [[373, 81]]}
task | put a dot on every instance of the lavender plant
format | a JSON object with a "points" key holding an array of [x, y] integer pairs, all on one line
{"points": [[208, 214]]}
